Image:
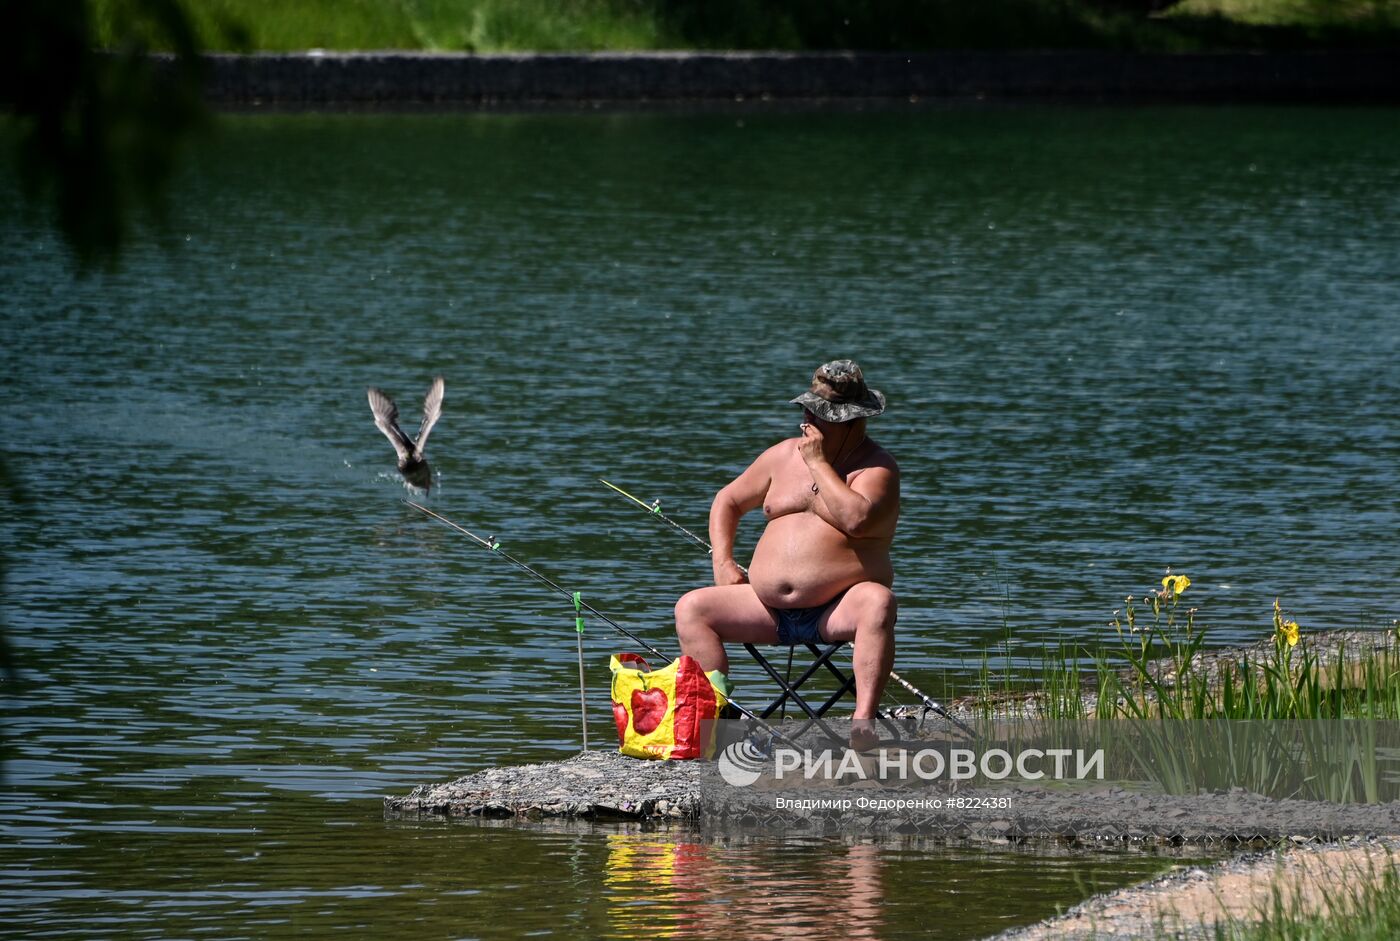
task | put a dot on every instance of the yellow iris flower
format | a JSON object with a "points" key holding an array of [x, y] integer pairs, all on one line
{"points": [[1289, 632], [1176, 584]]}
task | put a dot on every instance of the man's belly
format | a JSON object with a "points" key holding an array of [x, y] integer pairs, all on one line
{"points": [[802, 561]]}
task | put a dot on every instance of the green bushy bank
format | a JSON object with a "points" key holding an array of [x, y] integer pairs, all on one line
{"points": [[591, 25]]}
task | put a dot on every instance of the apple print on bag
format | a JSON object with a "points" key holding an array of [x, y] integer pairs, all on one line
{"points": [[648, 709], [620, 720]]}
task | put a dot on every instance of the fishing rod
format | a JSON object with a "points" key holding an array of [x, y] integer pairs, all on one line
{"points": [[495, 547], [655, 509]]}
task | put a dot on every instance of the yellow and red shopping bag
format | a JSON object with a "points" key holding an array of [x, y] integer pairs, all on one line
{"points": [[666, 713]]}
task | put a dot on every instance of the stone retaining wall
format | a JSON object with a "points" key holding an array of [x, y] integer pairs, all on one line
{"points": [[606, 786], [316, 78]]}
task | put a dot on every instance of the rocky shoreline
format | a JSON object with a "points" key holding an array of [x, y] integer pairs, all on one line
{"points": [[318, 77], [604, 786]]}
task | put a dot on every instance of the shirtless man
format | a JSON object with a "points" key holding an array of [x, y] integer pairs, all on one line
{"points": [[821, 570]]}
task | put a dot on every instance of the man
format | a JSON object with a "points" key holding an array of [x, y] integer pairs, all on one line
{"points": [[821, 570]]}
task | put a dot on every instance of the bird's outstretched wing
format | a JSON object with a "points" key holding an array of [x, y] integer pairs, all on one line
{"points": [[386, 419], [432, 411]]}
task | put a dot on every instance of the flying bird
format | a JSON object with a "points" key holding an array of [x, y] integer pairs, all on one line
{"points": [[413, 465]]}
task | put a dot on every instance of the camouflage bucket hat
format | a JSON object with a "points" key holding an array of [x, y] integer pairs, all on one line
{"points": [[839, 393]]}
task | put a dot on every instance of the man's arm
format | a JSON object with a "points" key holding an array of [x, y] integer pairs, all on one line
{"points": [[867, 506], [740, 495], [861, 509]]}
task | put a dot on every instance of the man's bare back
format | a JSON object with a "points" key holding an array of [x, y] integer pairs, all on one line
{"points": [[821, 570]]}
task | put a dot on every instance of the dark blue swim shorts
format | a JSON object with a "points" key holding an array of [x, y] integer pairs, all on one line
{"points": [[799, 625]]}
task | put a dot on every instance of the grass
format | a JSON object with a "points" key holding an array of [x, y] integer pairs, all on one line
{"points": [[435, 25], [1284, 722], [593, 25], [1312, 13], [1160, 668]]}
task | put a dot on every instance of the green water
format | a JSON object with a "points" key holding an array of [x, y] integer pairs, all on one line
{"points": [[1112, 341]]}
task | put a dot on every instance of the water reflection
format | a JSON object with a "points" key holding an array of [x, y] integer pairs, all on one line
{"points": [[679, 889], [704, 886]]}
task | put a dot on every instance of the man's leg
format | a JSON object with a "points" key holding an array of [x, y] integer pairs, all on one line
{"points": [[707, 617], [865, 615]]}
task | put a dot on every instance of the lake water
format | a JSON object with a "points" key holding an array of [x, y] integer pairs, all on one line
{"points": [[1113, 341]]}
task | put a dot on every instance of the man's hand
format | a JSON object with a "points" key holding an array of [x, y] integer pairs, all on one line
{"points": [[810, 447], [728, 572]]}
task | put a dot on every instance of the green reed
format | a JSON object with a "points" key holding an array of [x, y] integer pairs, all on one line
{"points": [[1161, 667], [1284, 720]]}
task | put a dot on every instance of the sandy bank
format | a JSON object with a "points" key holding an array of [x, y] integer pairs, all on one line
{"points": [[1187, 902]]}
